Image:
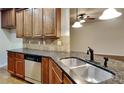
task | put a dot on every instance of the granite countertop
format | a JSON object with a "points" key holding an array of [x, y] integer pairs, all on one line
{"points": [[116, 66]]}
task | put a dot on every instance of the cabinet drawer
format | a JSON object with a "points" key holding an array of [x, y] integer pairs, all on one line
{"points": [[11, 54], [57, 70], [19, 56]]}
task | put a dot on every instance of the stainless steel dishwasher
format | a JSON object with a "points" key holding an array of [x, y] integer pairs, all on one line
{"points": [[33, 68]]}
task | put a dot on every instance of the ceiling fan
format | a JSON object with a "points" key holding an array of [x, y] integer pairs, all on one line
{"points": [[84, 18], [81, 18]]}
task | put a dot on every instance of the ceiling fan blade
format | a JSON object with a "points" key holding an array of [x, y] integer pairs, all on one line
{"points": [[90, 18]]}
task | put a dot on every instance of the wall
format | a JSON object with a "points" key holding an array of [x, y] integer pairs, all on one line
{"points": [[62, 44], [8, 40], [105, 37]]}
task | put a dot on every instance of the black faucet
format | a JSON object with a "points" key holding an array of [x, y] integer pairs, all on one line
{"points": [[105, 62], [91, 52]]}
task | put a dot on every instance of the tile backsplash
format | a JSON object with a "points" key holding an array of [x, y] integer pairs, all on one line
{"points": [[62, 44]]}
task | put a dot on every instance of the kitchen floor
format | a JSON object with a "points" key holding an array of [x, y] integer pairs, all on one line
{"points": [[6, 78]]}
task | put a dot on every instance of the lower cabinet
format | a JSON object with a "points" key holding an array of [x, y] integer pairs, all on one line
{"points": [[45, 71], [16, 64], [11, 62], [55, 73], [66, 80], [19, 66], [51, 73]]}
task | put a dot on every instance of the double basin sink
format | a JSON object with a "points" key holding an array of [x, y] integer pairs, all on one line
{"points": [[88, 72]]}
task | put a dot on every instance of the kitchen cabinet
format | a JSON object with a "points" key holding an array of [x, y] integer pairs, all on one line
{"points": [[55, 73], [51, 73], [16, 64], [66, 80], [19, 24], [45, 70], [51, 22], [11, 63], [37, 22], [19, 67], [8, 18], [28, 22]]}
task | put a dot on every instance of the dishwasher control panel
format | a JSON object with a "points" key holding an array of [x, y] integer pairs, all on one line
{"points": [[33, 57]]}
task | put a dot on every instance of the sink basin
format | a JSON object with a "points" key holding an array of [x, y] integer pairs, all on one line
{"points": [[92, 74], [86, 71], [72, 62]]}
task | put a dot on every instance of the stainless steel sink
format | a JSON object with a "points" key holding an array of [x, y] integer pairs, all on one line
{"points": [[92, 73], [86, 71], [72, 62]]}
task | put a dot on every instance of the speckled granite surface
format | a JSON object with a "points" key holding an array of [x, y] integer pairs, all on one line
{"points": [[116, 66]]}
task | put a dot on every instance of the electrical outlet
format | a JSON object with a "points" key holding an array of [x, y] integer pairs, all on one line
{"points": [[29, 42], [38, 42], [59, 42], [44, 43]]}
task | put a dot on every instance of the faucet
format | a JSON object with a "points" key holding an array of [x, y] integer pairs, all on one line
{"points": [[91, 52], [105, 61]]}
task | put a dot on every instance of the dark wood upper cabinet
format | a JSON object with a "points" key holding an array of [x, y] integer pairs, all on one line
{"points": [[19, 24], [51, 22], [8, 17], [37, 22], [28, 22]]}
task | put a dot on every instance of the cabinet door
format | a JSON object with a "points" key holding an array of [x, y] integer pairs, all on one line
{"points": [[11, 18], [28, 22], [19, 67], [55, 74], [13, 21], [4, 18], [19, 23], [55, 78], [66, 80], [8, 18], [49, 22], [37, 22], [11, 62], [45, 70]]}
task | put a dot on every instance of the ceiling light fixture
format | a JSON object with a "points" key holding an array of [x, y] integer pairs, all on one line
{"points": [[110, 13], [82, 21], [77, 24]]}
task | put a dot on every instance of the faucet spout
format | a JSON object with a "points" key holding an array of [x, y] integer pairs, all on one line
{"points": [[90, 52]]}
